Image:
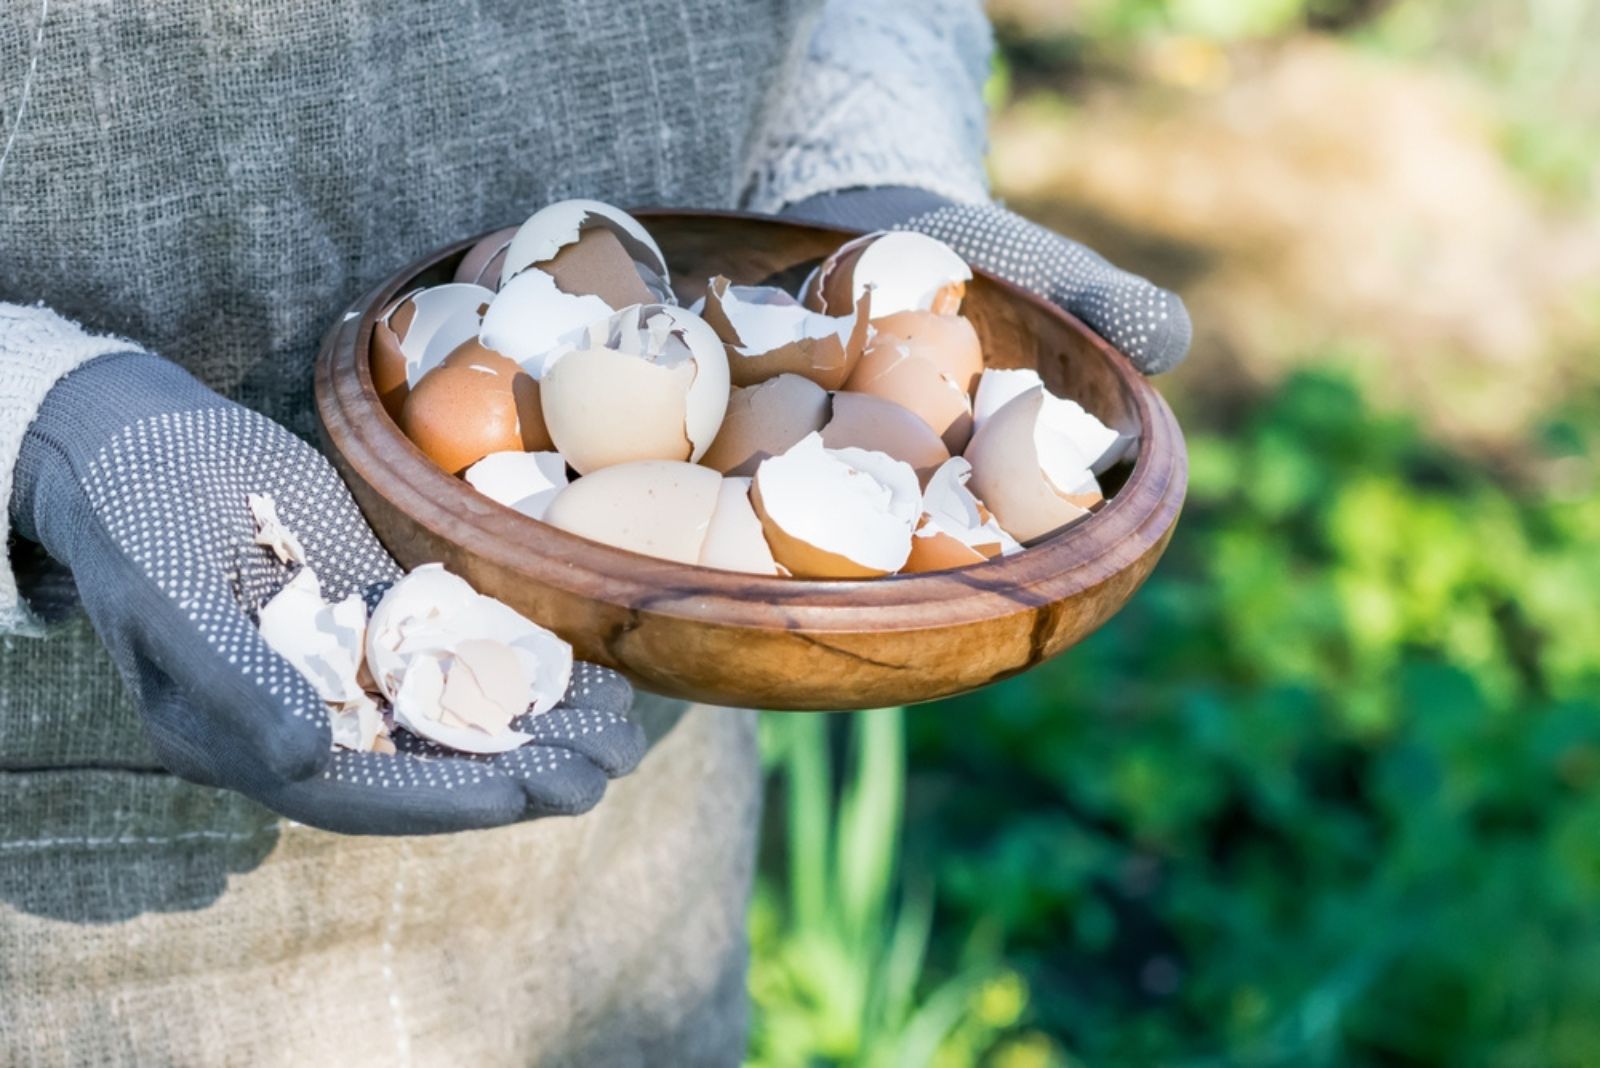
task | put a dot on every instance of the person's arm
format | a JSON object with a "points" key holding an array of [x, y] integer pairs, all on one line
{"points": [[878, 123], [135, 477]]}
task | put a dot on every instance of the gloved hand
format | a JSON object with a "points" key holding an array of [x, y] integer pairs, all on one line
{"points": [[1146, 323], [135, 476]]}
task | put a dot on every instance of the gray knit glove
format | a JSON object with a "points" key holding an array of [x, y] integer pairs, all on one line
{"points": [[1145, 322], [135, 476]]}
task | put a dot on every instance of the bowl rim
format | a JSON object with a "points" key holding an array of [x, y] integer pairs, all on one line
{"points": [[363, 438]]}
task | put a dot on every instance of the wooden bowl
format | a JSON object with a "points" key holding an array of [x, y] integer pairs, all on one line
{"points": [[748, 640]]}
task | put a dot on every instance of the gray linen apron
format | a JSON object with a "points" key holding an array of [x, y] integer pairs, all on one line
{"points": [[216, 179]]}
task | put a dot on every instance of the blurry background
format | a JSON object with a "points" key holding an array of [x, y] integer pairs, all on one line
{"points": [[1328, 791]]}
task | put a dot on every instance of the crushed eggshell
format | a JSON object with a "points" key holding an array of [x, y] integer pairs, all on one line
{"points": [[649, 383], [767, 333], [836, 513], [531, 317], [949, 342], [893, 369], [1086, 437], [431, 623], [1029, 471], [271, 532], [524, 481]]}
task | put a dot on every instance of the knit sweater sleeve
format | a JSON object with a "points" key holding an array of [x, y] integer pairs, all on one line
{"points": [[878, 92], [37, 347]]}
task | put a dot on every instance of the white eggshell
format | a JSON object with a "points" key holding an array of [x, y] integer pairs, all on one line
{"points": [[530, 318], [734, 540], [659, 508], [949, 507], [905, 270], [445, 316], [649, 383], [837, 513], [1010, 477], [322, 641], [524, 481]]}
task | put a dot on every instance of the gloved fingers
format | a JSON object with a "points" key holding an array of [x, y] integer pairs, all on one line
{"points": [[610, 740], [553, 781], [1146, 323], [203, 674], [397, 794]]}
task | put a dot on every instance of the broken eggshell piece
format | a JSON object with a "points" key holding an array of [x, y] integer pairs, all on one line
{"points": [[862, 421], [955, 530], [764, 420], [837, 513], [768, 333], [556, 228], [649, 383], [1091, 440], [906, 271], [892, 370], [949, 342], [523, 481], [659, 508], [1028, 471], [429, 626], [416, 333], [531, 317], [734, 539]]}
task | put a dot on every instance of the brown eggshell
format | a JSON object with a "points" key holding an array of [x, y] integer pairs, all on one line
{"points": [[483, 261], [826, 361], [584, 391], [868, 422], [947, 341], [458, 415], [764, 420], [940, 552], [388, 362], [524, 387], [889, 370], [597, 264], [660, 508], [1008, 478]]}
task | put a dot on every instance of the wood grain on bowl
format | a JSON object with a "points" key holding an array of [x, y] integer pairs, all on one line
{"points": [[748, 640]]}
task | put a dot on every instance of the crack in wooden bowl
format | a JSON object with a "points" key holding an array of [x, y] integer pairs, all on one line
{"points": [[748, 640]]}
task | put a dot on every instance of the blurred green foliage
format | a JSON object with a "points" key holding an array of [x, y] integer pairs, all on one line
{"points": [[1324, 793]]}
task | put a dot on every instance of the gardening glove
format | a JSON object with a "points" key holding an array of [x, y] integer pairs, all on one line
{"points": [[1146, 323], [134, 476]]}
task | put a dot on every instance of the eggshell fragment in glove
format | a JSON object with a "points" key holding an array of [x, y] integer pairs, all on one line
{"points": [[949, 342], [271, 532], [837, 513], [1029, 471], [1087, 438], [325, 643], [659, 508], [906, 271], [460, 414], [862, 421], [556, 228], [524, 481], [768, 333], [891, 369], [734, 539], [955, 530], [483, 263], [429, 626], [764, 420], [649, 383]]}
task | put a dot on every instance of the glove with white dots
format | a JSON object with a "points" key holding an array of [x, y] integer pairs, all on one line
{"points": [[1146, 323], [135, 477]]}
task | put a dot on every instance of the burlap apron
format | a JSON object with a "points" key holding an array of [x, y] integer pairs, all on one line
{"points": [[216, 180]]}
